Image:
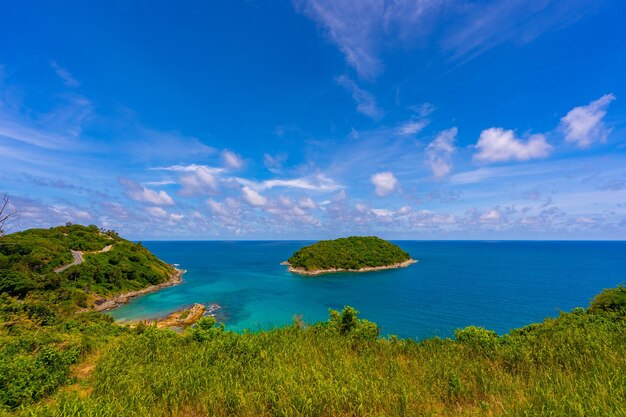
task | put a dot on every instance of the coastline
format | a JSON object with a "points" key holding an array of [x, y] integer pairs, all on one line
{"points": [[180, 318], [301, 271], [105, 304]]}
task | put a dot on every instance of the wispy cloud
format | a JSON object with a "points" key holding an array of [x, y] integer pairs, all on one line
{"points": [[484, 25], [439, 152], [274, 163], [198, 182], [59, 128], [362, 30], [195, 179], [584, 125], [252, 197], [64, 74], [231, 159], [317, 182], [189, 168], [412, 127], [365, 101], [138, 192]]}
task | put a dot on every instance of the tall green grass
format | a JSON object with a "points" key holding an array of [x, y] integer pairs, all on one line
{"points": [[573, 365]]}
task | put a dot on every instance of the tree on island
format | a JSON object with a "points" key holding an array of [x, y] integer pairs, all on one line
{"points": [[8, 215]]}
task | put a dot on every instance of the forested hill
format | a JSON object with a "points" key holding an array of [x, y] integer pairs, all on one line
{"points": [[350, 253], [31, 262]]}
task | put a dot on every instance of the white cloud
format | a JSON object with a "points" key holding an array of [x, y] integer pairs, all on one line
{"points": [[439, 152], [583, 125], [291, 215], [386, 215], [491, 216], [585, 220], [199, 182], [285, 201], [274, 163], [499, 145], [384, 182], [231, 159], [382, 212], [176, 217], [229, 212], [411, 128], [143, 194], [218, 208], [307, 203], [73, 213], [253, 198], [189, 168], [156, 212], [311, 183], [365, 101], [195, 179], [64, 74]]}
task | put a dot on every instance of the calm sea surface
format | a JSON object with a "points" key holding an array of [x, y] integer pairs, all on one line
{"points": [[498, 285]]}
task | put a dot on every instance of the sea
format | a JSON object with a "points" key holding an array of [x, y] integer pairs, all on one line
{"points": [[499, 285]]}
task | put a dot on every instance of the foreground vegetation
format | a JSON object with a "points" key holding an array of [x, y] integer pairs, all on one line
{"points": [[355, 252], [56, 361], [41, 335]]}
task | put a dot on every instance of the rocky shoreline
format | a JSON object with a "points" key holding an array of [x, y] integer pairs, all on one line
{"points": [[104, 304], [335, 270]]}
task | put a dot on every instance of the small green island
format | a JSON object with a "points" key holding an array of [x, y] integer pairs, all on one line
{"points": [[349, 254]]}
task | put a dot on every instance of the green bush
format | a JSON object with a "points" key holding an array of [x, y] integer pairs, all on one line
{"points": [[610, 300]]}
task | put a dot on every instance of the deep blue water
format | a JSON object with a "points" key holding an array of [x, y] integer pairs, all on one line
{"points": [[498, 285]]}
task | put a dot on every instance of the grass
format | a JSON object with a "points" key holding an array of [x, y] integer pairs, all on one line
{"points": [[573, 365]]}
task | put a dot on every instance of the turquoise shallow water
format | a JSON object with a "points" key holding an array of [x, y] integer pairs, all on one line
{"points": [[498, 285]]}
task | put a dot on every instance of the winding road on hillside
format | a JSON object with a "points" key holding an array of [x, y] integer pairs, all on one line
{"points": [[78, 257]]}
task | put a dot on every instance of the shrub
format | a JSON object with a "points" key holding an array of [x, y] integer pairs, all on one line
{"points": [[610, 300], [477, 337]]}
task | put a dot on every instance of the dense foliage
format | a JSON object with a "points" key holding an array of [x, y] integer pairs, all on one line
{"points": [[353, 252], [41, 335], [573, 365], [28, 260], [56, 361]]}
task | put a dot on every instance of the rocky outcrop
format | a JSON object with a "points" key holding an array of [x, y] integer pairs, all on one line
{"points": [[182, 318], [366, 269]]}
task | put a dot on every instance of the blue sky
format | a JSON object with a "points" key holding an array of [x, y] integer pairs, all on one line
{"points": [[308, 119]]}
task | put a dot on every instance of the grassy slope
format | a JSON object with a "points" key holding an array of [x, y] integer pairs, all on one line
{"points": [[40, 334], [574, 365], [348, 253]]}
